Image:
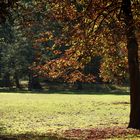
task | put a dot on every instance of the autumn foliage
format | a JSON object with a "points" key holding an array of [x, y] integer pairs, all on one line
{"points": [[83, 34]]}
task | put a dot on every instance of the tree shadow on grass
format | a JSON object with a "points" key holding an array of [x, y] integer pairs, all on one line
{"points": [[69, 92], [26, 136], [2, 127], [30, 137], [2, 130], [88, 92], [95, 89]]}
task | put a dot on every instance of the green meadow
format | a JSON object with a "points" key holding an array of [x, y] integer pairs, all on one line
{"points": [[53, 113]]}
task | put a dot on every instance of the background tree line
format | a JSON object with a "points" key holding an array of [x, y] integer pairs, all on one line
{"points": [[36, 43]]}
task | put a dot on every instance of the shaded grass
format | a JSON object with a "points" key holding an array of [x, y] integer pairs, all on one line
{"points": [[43, 114], [60, 88]]}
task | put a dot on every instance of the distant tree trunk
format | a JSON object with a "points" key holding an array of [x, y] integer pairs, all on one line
{"points": [[6, 82], [16, 78], [79, 85], [34, 83], [132, 46]]}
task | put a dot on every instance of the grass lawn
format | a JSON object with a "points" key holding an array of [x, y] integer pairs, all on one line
{"points": [[40, 114]]}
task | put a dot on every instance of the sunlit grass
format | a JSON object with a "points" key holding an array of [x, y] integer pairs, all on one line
{"points": [[39, 114]]}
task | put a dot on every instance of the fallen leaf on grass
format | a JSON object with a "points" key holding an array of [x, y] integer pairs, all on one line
{"points": [[100, 133]]}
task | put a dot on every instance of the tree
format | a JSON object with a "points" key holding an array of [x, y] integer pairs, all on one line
{"points": [[14, 54], [96, 18], [17, 53], [29, 27], [133, 61]]}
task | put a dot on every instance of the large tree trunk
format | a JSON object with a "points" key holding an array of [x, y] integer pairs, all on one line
{"points": [[132, 46]]}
